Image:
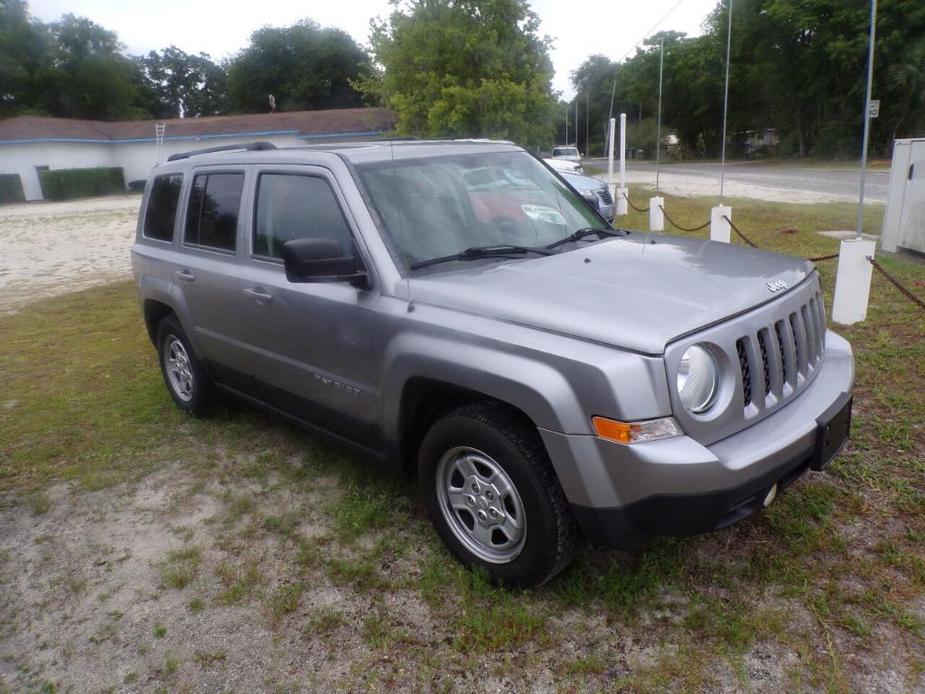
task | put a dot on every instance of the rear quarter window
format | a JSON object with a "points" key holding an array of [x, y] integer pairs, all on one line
{"points": [[161, 213]]}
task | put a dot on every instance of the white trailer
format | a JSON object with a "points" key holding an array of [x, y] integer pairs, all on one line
{"points": [[904, 220]]}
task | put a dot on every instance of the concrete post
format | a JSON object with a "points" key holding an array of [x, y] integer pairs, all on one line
{"points": [[852, 281], [619, 196], [656, 216], [719, 227]]}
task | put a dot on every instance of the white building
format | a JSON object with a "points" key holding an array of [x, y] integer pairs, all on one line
{"points": [[30, 144]]}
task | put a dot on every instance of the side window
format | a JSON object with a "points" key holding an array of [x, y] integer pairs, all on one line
{"points": [[212, 214], [294, 206], [162, 207]]}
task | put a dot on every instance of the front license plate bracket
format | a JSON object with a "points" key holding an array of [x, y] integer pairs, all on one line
{"points": [[832, 430]]}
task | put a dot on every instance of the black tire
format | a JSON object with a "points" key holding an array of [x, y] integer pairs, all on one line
{"points": [[196, 400], [514, 444]]}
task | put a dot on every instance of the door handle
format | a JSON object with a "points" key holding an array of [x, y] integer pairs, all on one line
{"points": [[262, 296], [185, 275]]}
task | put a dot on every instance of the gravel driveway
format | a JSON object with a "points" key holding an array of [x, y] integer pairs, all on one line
{"points": [[52, 248]]}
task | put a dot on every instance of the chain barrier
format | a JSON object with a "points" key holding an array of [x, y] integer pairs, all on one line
{"points": [[630, 203], [675, 224], [820, 258], [895, 282], [739, 232]]}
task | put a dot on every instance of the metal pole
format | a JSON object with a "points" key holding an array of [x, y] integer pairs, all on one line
{"points": [[658, 140], [576, 121], [623, 150], [610, 125], [722, 169], [587, 126], [566, 124], [870, 78]]}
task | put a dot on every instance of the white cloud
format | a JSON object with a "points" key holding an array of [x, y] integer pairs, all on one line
{"points": [[579, 27]]}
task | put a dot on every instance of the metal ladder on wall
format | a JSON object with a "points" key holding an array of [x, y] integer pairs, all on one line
{"points": [[159, 129]]}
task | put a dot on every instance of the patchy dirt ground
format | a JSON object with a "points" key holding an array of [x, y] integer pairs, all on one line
{"points": [[51, 248]]}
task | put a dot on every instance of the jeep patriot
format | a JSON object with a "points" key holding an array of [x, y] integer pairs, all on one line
{"points": [[457, 310]]}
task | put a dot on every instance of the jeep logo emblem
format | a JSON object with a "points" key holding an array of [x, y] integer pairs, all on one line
{"points": [[777, 285]]}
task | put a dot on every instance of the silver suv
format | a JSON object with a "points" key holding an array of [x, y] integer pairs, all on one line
{"points": [[456, 310]]}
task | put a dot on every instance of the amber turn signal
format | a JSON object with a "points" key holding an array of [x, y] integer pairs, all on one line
{"points": [[635, 432]]}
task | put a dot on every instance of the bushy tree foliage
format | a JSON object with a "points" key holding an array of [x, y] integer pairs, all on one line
{"points": [[303, 66], [465, 68], [798, 66], [183, 84]]}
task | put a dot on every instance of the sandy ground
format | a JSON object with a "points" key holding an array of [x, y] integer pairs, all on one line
{"points": [[57, 247]]}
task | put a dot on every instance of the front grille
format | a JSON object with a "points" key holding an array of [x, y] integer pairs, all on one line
{"points": [[778, 359], [605, 196]]}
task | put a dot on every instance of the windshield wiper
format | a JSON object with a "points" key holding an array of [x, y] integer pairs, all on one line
{"points": [[482, 252], [582, 233]]}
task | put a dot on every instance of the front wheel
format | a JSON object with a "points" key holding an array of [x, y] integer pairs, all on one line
{"points": [[493, 497]]}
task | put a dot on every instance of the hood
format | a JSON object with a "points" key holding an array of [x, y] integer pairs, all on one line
{"points": [[621, 291], [582, 183]]}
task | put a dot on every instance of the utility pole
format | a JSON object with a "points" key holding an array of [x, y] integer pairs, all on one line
{"points": [[566, 124], [587, 127], [870, 78], [658, 136], [722, 170], [576, 120]]}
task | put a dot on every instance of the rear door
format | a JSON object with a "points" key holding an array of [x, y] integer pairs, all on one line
{"points": [[315, 346], [209, 264]]}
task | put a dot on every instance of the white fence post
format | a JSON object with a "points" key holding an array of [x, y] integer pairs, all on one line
{"points": [[656, 215], [719, 227], [852, 280]]}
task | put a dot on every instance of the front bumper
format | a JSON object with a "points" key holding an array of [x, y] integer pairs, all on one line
{"points": [[623, 494]]}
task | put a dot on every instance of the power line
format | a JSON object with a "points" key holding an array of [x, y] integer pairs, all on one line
{"points": [[633, 48]]}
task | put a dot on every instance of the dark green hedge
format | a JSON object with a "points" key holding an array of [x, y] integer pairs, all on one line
{"points": [[11, 188], [65, 184]]}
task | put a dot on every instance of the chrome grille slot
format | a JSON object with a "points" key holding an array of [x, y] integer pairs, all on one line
{"points": [[605, 196], [809, 326], [799, 341], [763, 343], [785, 365], [745, 369]]}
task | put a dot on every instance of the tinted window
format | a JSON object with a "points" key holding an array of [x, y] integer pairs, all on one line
{"points": [[212, 215], [162, 207], [296, 207]]}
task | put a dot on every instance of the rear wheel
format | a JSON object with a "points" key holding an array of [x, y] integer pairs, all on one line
{"points": [[493, 497], [184, 376]]}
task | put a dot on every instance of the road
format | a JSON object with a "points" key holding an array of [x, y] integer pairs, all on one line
{"points": [[781, 182]]}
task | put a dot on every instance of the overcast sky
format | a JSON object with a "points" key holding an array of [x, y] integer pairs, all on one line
{"points": [[220, 28]]}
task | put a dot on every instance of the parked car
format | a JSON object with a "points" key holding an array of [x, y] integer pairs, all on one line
{"points": [[457, 311], [594, 190], [566, 165], [567, 152]]}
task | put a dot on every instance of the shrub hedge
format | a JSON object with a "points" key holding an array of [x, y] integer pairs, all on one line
{"points": [[65, 184], [11, 188]]}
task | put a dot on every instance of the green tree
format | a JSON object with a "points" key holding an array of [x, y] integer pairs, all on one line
{"points": [[465, 68], [25, 55], [303, 66], [183, 84], [88, 77]]}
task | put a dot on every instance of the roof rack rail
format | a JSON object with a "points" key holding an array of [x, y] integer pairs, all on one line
{"points": [[248, 147]]}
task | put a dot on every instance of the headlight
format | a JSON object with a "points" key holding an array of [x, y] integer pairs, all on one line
{"points": [[697, 379]]}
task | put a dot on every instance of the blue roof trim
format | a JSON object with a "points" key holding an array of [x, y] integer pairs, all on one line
{"points": [[184, 138]]}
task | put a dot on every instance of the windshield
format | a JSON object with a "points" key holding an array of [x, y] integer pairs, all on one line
{"points": [[565, 152], [439, 206]]}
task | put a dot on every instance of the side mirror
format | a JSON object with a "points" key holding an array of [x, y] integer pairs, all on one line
{"points": [[322, 260]]}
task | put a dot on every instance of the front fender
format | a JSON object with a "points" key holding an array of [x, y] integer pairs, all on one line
{"points": [[537, 389]]}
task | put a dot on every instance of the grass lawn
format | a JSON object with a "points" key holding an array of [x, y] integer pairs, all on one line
{"points": [[140, 548]]}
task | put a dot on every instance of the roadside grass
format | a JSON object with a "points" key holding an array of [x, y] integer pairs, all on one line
{"points": [[833, 573]]}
